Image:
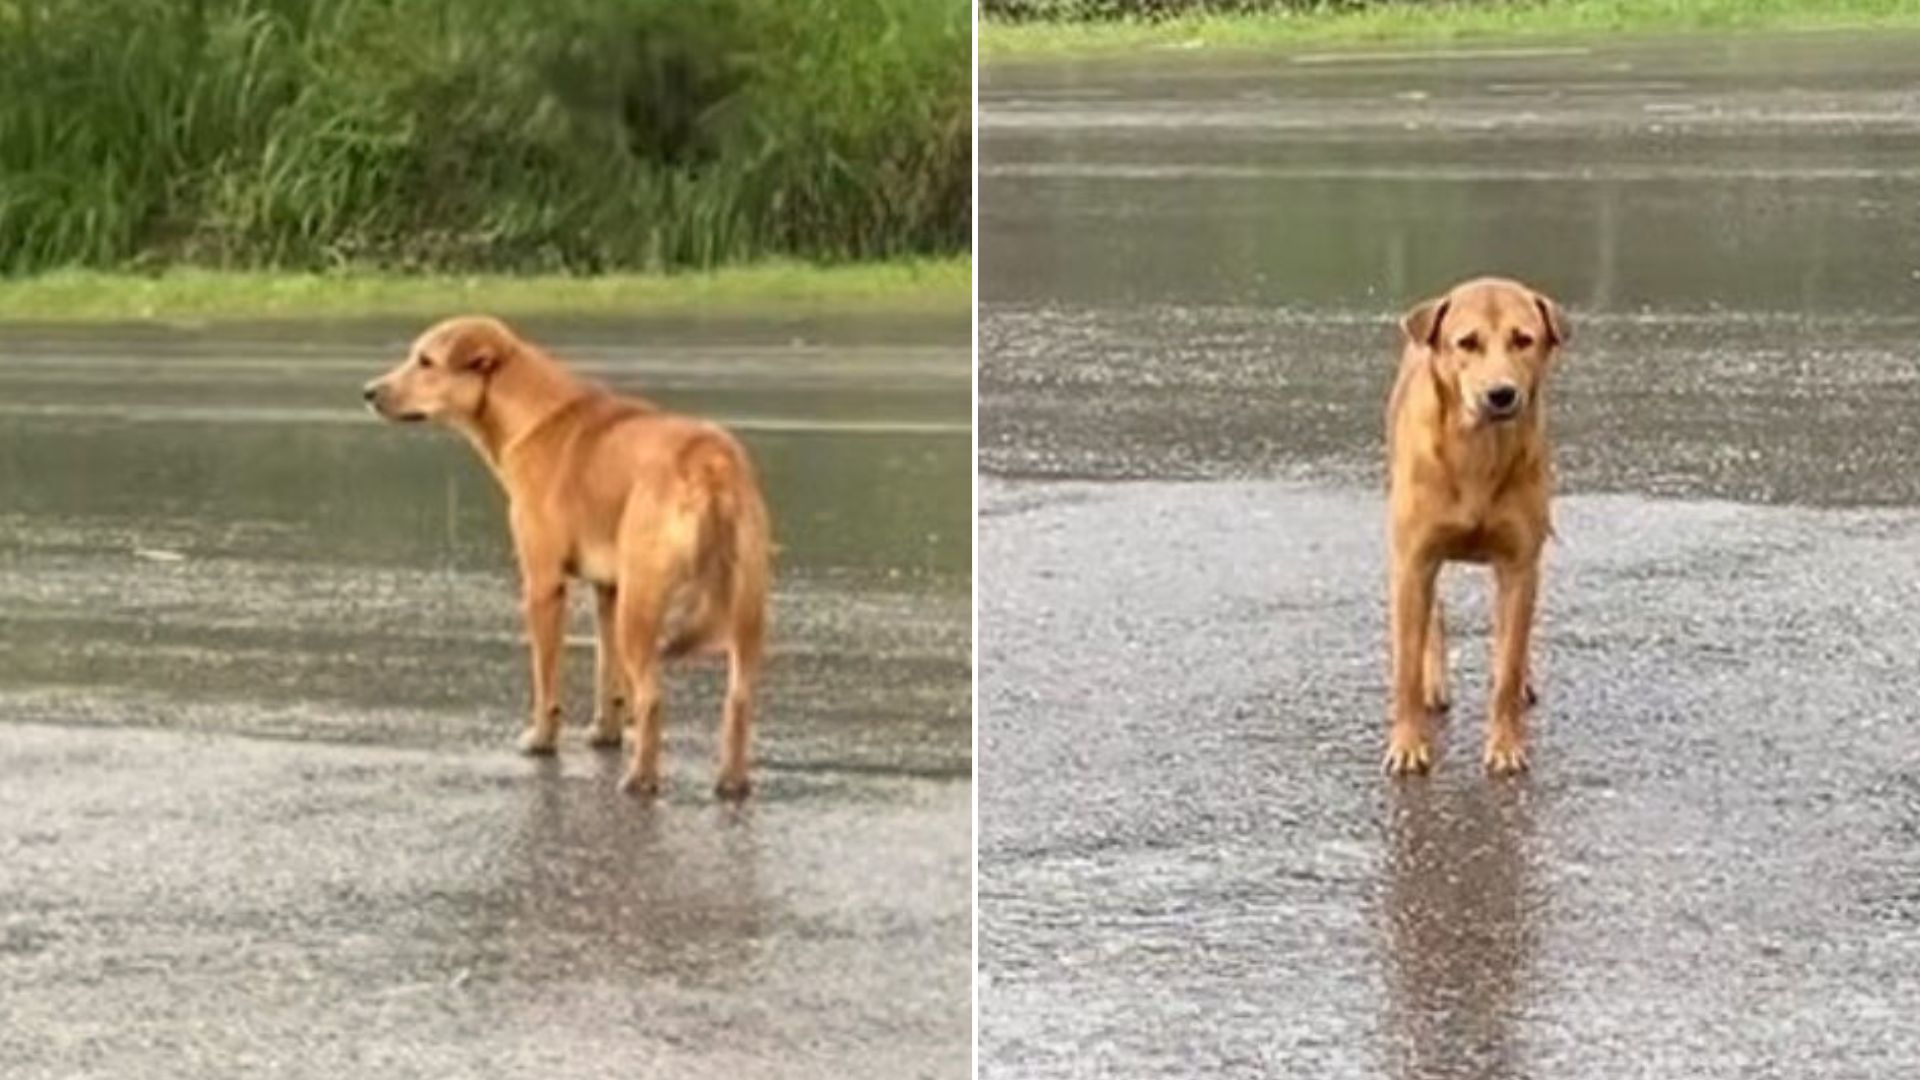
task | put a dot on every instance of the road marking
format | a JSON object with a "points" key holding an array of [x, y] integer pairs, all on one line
{"points": [[1387, 57], [197, 414]]}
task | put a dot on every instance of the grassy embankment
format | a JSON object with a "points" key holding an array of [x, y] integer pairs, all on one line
{"points": [[261, 157], [1056, 29], [899, 286]]}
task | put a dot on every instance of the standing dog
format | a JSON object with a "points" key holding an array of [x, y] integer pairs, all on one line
{"points": [[1469, 479], [661, 513]]}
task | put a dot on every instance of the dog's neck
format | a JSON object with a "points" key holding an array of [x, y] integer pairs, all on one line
{"points": [[516, 401], [1497, 452]]}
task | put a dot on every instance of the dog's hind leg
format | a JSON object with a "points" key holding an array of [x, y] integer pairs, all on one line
{"points": [[652, 563], [637, 616], [736, 722], [545, 605], [607, 677]]}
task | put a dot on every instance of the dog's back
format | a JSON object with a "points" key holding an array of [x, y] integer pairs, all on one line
{"points": [[629, 481]]}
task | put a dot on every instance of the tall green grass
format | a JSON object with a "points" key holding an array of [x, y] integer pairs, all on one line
{"points": [[503, 135]]}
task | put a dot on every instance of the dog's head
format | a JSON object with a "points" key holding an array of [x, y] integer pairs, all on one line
{"points": [[1489, 341], [445, 375]]}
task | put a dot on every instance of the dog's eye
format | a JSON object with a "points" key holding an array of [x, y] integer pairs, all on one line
{"points": [[425, 361], [1470, 343], [1523, 340]]}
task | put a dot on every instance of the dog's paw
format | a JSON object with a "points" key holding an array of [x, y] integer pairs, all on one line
{"points": [[603, 735], [1505, 756], [1408, 754], [536, 742], [640, 785], [733, 788]]}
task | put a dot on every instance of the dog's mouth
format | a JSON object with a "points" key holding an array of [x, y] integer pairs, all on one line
{"points": [[410, 416]]}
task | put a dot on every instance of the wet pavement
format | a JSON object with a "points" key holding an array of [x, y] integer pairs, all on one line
{"points": [[1190, 863], [260, 674]]}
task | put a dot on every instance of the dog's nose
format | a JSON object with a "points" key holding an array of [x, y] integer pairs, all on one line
{"points": [[1503, 398], [369, 392]]}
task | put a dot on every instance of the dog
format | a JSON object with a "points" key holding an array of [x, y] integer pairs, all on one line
{"points": [[660, 513], [1470, 479]]}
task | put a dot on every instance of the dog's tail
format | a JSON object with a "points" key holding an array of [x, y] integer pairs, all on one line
{"points": [[731, 554]]}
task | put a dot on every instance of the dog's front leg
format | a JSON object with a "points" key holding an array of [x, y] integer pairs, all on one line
{"points": [[1414, 573], [1518, 583], [1433, 676]]}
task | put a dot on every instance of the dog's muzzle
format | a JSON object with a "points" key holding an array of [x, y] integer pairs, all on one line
{"points": [[376, 402], [1501, 403]]}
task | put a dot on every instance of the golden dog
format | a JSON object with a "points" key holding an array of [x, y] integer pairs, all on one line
{"points": [[661, 513], [1469, 480]]}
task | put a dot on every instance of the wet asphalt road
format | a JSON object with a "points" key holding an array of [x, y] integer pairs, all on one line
{"points": [[1190, 864], [260, 673]]}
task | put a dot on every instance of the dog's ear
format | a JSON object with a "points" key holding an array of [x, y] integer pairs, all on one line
{"points": [[484, 358], [480, 349], [1422, 324], [1556, 322]]}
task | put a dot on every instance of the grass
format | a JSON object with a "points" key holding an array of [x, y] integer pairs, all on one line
{"points": [[1399, 21], [564, 136], [930, 286]]}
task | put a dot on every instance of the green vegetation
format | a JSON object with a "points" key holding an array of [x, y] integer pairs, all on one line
{"points": [[1021, 28], [931, 286], [504, 136]]}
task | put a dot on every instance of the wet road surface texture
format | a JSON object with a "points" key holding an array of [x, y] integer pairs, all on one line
{"points": [[260, 673], [1190, 862]]}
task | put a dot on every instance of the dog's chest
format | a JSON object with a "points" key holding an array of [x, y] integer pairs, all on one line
{"points": [[1470, 543], [1481, 531]]}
